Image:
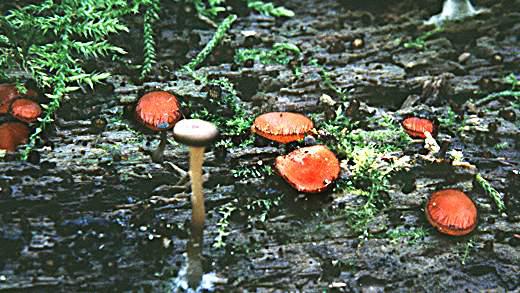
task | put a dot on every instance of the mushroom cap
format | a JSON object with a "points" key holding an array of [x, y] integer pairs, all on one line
{"points": [[452, 212], [9, 92], [309, 169], [282, 127], [415, 127], [195, 132], [158, 110], [13, 134], [25, 110]]}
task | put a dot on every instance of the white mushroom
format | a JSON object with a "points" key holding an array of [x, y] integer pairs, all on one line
{"points": [[454, 10], [196, 134]]}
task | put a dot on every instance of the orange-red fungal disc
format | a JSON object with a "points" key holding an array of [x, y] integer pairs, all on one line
{"points": [[415, 127], [158, 110], [283, 127], [452, 212], [13, 134], [309, 169], [25, 110], [9, 92]]}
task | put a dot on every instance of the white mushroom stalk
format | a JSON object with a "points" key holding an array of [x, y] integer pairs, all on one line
{"points": [[196, 134], [454, 10], [198, 212]]}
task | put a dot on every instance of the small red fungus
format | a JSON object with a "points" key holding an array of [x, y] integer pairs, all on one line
{"points": [[283, 127], [452, 212], [416, 127], [25, 110], [309, 169], [9, 92], [158, 110], [13, 134]]}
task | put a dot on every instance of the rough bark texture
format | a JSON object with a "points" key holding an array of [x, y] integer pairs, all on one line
{"points": [[96, 214]]}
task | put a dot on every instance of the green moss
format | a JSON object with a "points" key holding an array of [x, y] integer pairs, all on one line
{"points": [[212, 8], [501, 146], [221, 31], [419, 43], [240, 121], [257, 209], [254, 171], [465, 250], [491, 192], [281, 53], [269, 8], [150, 17], [327, 80], [451, 122], [70, 33], [410, 237], [510, 79], [223, 224], [369, 174]]}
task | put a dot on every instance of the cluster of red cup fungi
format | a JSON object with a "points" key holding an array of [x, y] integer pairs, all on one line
{"points": [[313, 169], [22, 108], [309, 169], [450, 211]]}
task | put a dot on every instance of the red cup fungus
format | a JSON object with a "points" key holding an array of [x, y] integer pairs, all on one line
{"points": [[282, 127], [309, 169], [158, 111], [25, 110], [452, 212], [9, 92], [13, 134], [416, 127]]}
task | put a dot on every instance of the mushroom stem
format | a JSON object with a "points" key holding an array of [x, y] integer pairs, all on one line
{"points": [[197, 196], [194, 270], [157, 155]]}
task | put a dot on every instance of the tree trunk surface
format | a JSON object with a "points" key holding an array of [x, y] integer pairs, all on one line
{"points": [[94, 213]]}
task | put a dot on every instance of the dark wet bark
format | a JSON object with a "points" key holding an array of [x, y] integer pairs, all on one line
{"points": [[97, 214]]}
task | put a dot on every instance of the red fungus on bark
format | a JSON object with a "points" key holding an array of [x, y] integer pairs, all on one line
{"points": [[416, 127], [25, 110], [9, 92], [309, 169], [282, 127], [452, 212], [158, 111], [13, 134]]}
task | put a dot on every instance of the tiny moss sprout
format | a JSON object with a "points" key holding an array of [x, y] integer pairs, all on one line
{"points": [[223, 223], [419, 43], [491, 192], [466, 248]]}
